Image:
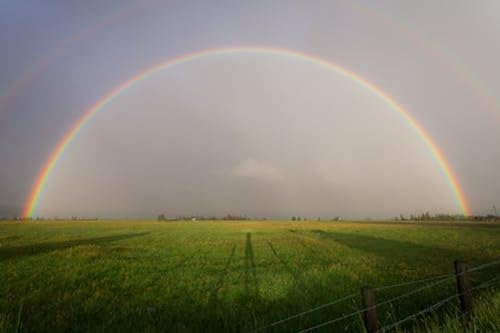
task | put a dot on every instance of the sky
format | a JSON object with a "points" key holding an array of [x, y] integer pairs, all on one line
{"points": [[251, 133]]}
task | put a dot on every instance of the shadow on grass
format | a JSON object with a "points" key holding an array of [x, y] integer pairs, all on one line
{"points": [[181, 310], [251, 282], [430, 224], [396, 249], [40, 248]]}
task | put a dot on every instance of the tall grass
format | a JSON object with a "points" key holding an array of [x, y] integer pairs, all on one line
{"points": [[223, 276], [486, 318]]}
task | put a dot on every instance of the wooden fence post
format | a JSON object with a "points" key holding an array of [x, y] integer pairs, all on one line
{"points": [[370, 314], [464, 290]]}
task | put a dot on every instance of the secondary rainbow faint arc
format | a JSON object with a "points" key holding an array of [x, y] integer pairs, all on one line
{"points": [[43, 63], [57, 153]]}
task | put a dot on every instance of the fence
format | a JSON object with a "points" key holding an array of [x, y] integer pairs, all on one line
{"points": [[369, 308]]}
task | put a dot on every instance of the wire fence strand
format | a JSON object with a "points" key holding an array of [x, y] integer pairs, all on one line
{"points": [[492, 263], [300, 314], [436, 305], [447, 277], [489, 283], [424, 311], [372, 307], [442, 278], [409, 283]]}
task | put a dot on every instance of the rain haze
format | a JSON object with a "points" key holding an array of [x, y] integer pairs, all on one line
{"points": [[253, 131]]}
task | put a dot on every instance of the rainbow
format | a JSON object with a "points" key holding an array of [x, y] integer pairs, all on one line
{"points": [[43, 63], [463, 72], [62, 146]]}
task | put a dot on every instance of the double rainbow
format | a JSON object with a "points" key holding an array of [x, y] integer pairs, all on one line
{"points": [[58, 152]]}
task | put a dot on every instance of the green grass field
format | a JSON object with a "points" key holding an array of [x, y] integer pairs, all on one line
{"points": [[226, 276]]}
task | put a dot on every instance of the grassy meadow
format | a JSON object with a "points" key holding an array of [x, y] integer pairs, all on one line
{"points": [[105, 276]]}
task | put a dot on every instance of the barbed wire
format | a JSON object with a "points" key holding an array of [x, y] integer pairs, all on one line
{"points": [[436, 305], [300, 314], [428, 309], [492, 263], [472, 269], [374, 306], [412, 282], [348, 297], [398, 297], [444, 278], [489, 283]]}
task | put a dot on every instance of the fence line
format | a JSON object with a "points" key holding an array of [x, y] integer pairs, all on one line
{"points": [[436, 306], [372, 307], [412, 282], [428, 309], [444, 277], [473, 269], [300, 314], [492, 263], [397, 297], [487, 284], [333, 321]]}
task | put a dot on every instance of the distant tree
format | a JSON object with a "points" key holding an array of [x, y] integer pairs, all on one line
{"points": [[294, 218], [161, 217]]}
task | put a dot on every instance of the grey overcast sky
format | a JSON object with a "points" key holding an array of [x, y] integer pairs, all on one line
{"points": [[250, 133]]}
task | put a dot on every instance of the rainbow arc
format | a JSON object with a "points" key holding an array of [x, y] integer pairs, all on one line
{"points": [[47, 169]]}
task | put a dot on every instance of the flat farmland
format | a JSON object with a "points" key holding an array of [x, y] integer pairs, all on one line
{"points": [[103, 276]]}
